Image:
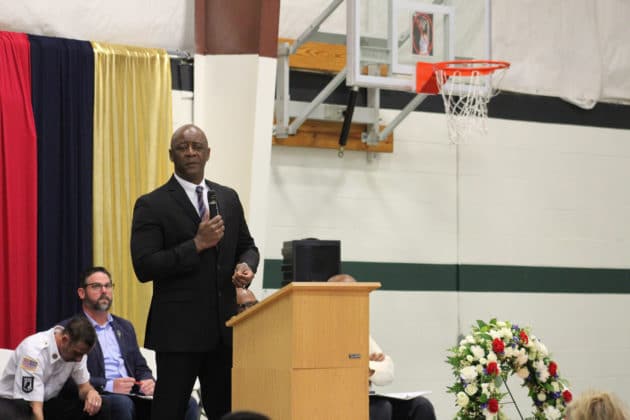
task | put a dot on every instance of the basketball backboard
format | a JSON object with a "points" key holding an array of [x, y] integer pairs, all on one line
{"points": [[385, 38]]}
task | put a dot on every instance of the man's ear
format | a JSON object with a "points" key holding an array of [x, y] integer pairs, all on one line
{"points": [[81, 293], [170, 155]]}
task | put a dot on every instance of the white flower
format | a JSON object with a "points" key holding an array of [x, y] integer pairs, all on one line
{"points": [[543, 376], [506, 333], [471, 389], [470, 358], [555, 386], [494, 334], [552, 413], [484, 388], [523, 372], [468, 374], [477, 352], [483, 361], [542, 349], [501, 324], [462, 399], [492, 357], [509, 352], [541, 370], [479, 368], [489, 415], [522, 357], [541, 396]]}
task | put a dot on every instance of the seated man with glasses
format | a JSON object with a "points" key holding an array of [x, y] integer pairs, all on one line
{"points": [[245, 298], [117, 368]]}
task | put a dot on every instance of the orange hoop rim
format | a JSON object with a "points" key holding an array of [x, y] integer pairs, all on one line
{"points": [[481, 67]]}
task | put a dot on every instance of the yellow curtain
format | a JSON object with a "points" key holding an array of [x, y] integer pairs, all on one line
{"points": [[132, 129]]}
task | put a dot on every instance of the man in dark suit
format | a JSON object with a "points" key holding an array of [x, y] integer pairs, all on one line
{"points": [[194, 257], [117, 368]]}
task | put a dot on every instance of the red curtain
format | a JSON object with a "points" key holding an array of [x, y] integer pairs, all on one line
{"points": [[18, 193]]}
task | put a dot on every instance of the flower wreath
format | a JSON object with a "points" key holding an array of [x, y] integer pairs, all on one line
{"points": [[491, 353]]}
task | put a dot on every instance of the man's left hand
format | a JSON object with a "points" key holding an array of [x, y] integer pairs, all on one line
{"points": [[243, 275]]}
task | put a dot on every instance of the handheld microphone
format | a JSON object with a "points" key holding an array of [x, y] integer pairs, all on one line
{"points": [[212, 203]]}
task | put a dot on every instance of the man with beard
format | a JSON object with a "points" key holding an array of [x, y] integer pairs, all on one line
{"points": [[117, 368]]}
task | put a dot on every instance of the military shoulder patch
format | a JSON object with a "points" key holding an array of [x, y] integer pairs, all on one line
{"points": [[29, 364], [27, 383]]}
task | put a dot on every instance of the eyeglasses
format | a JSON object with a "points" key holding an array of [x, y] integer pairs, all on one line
{"points": [[99, 286], [243, 306]]}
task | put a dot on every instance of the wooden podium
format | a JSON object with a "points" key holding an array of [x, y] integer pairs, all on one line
{"points": [[302, 353]]}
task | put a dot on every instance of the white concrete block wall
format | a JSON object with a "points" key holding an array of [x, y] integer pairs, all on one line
{"points": [[527, 194], [546, 195], [399, 207]]}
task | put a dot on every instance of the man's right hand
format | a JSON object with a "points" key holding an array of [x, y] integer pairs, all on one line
{"points": [[123, 385], [209, 232]]}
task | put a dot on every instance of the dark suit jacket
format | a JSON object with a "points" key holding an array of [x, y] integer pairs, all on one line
{"points": [[193, 294], [134, 361]]}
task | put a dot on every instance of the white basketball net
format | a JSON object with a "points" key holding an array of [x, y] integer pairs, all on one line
{"points": [[466, 98]]}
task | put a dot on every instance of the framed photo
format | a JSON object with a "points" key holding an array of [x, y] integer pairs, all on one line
{"points": [[422, 34]]}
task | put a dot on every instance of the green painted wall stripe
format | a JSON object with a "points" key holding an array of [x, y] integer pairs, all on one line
{"points": [[476, 278], [483, 278]]}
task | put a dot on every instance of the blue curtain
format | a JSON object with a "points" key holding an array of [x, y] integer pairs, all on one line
{"points": [[63, 104]]}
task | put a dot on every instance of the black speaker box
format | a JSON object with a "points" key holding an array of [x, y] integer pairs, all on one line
{"points": [[310, 260]]}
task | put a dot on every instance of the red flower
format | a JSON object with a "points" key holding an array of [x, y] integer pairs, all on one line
{"points": [[523, 336], [493, 405], [497, 345], [492, 369], [553, 368], [567, 396]]}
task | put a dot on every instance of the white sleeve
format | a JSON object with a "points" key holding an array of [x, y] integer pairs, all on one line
{"points": [[80, 372], [29, 374], [384, 370]]}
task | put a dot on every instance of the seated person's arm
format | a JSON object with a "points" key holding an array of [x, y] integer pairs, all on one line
{"points": [[91, 397], [38, 410], [381, 365], [142, 372]]}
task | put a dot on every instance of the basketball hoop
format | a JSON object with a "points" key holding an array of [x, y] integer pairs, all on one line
{"points": [[466, 87]]}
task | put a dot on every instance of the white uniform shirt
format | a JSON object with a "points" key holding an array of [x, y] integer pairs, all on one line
{"points": [[384, 370], [36, 371]]}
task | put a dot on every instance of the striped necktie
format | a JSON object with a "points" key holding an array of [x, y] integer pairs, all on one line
{"points": [[201, 204]]}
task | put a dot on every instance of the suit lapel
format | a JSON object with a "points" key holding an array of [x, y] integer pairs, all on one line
{"points": [[122, 346], [97, 353], [221, 203], [179, 195]]}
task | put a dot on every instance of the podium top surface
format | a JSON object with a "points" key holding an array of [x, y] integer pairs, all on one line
{"points": [[296, 287]]}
